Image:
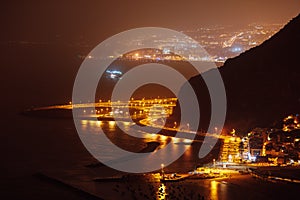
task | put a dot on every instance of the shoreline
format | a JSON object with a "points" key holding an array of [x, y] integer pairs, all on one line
{"points": [[278, 174], [148, 186]]}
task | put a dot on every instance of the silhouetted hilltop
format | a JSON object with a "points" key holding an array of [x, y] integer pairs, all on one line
{"points": [[262, 84]]}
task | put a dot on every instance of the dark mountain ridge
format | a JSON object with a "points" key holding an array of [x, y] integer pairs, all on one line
{"points": [[262, 84]]}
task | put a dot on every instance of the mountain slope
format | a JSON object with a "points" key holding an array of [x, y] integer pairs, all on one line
{"points": [[262, 84]]}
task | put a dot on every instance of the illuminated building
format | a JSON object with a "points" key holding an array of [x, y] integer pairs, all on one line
{"points": [[231, 149], [291, 122]]}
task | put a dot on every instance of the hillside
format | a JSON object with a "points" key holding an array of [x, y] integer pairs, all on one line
{"points": [[262, 84]]}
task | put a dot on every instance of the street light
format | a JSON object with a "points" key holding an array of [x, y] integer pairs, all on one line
{"points": [[162, 171], [216, 129], [175, 124]]}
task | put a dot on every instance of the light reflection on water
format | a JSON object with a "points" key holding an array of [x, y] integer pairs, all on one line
{"points": [[136, 141], [214, 190], [161, 193]]}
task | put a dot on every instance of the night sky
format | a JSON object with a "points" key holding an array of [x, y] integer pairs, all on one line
{"points": [[99, 19]]}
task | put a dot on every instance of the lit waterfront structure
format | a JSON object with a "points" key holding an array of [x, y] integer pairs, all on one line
{"points": [[134, 108], [153, 55]]}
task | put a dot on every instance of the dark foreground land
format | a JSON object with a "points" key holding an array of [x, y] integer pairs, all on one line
{"points": [[147, 186]]}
